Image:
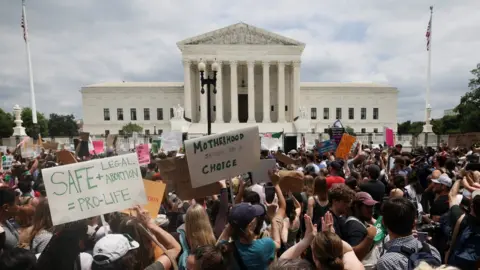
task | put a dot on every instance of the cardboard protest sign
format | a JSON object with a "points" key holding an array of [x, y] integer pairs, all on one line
{"points": [[155, 191], [220, 156], [176, 173], [292, 181], [65, 157], [326, 146], [345, 146], [260, 173], [284, 158], [92, 188], [143, 154], [111, 141], [50, 145]]}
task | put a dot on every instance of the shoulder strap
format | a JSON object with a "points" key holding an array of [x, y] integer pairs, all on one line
{"points": [[350, 218], [237, 257], [407, 252], [456, 230]]}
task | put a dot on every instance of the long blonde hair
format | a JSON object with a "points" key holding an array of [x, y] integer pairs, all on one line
{"points": [[198, 230]]}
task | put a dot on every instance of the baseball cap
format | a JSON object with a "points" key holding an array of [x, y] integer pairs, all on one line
{"points": [[293, 152], [113, 247], [242, 214], [336, 165], [365, 198], [444, 180]]}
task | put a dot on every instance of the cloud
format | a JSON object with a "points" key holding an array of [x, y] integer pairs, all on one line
{"points": [[76, 43]]}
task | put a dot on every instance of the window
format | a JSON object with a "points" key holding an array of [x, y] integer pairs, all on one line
{"points": [[363, 113], [133, 114], [326, 113], [313, 113], [375, 130], [159, 114], [325, 130], [147, 131], [272, 108], [375, 113], [160, 131], [146, 114], [106, 114], [120, 114], [363, 130], [351, 113], [214, 108], [199, 108], [286, 108], [338, 114], [107, 132], [120, 132], [171, 112]]}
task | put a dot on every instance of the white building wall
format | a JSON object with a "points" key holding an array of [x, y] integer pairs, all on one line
{"points": [[96, 99], [369, 96]]}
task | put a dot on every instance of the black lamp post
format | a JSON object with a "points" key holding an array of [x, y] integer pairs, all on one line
{"points": [[209, 82]]}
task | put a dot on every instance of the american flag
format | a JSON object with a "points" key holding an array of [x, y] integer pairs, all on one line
{"points": [[24, 25], [429, 29]]}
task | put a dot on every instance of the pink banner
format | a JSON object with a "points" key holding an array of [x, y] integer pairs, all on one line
{"points": [[98, 147], [389, 140], [143, 154]]}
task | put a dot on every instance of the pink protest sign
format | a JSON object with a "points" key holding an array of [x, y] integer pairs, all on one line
{"points": [[143, 154], [98, 147], [389, 140]]}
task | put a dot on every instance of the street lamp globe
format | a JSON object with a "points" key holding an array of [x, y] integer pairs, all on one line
{"points": [[215, 66], [201, 66]]}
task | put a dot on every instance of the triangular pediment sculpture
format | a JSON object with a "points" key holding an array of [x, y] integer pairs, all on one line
{"points": [[240, 34]]}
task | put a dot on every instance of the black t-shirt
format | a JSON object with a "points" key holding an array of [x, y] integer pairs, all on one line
{"points": [[440, 206], [375, 188], [338, 224], [354, 232]]}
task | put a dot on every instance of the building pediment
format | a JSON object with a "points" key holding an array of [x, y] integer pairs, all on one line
{"points": [[240, 34]]}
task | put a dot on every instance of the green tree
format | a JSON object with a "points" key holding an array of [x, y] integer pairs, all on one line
{"points": [[130, 128], [448, 124], [469, 108], [404, 128], [42, 123], [6, 124], [62, 126]]}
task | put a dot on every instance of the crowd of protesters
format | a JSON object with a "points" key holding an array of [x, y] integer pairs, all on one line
{"points": [[382, 208]]}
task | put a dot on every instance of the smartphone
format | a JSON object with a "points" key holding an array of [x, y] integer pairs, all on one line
{"points": [[269, 193], [422, 236]]}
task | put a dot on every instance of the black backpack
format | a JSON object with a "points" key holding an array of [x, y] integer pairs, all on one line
{"points": [[414, 257]]}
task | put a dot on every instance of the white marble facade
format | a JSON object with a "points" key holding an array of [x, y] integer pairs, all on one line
{"points": [[256, 67]]}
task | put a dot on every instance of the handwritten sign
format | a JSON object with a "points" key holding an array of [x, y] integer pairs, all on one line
{"points": [[143, 154], [155, 192], [171, 140], [86, 189], [345, 146], [326, 146], [215, 157]]}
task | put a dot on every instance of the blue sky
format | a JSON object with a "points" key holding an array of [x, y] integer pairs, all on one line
{"points": [[76, 43]]}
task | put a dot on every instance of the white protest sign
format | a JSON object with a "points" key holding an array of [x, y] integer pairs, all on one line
{"points": [[215, 157], [260, 173], [171, 140], [92, 188]]}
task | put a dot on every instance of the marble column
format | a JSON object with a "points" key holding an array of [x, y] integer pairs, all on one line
{"points": [[234, 91], [251, 91], [187, 88], [203, 97], [296, 89], [281, 92], [219, 95], [266, 91]]}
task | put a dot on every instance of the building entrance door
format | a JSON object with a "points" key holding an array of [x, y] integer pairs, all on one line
{"points": [[242, 108]]}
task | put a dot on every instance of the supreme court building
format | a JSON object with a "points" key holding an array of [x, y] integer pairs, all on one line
{"points": [[258, 83]]}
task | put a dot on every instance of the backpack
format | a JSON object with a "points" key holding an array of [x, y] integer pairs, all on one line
{"points": [[464, 249], [416, 257]]}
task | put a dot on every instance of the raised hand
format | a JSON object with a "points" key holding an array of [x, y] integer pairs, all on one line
{"points": [[327, 223], [310, 229]]}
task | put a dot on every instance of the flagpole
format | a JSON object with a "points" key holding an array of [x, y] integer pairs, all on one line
{"points": [[428, 109], [30, 72]]}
